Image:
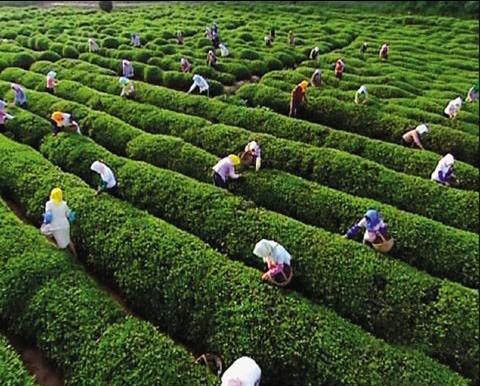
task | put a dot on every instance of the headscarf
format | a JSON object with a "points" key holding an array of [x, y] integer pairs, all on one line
{"points": [[373, 219], [98, 167], [303, 85], [362, 89], [51, 74], [263, 249], [2, 104], [422, 128], [448, 160], [458, 101], [123, 80], [56, 195], [475, 87]]}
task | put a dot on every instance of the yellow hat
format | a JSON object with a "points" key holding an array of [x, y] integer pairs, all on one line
{"points": [[304, 85], [234, 158], [56, 196]]}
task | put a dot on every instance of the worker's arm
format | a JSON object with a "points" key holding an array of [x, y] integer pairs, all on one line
{"points": [[352, 231], [416, 139], [232, 174]]}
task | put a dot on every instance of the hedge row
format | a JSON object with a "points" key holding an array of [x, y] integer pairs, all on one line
{"points": [[420, 242], [329, 167], [164, 271], [48, 299], [147, 147], [420, 163], [381, 98], [12, 369], [153, 74], [179, 200], [360, 119]]}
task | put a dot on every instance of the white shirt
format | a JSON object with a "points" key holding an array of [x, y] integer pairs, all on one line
{"points": [[199, 81], [105, 172], [444, 166], [224, 49], [244, 369], [59, 215], [453, 106]]}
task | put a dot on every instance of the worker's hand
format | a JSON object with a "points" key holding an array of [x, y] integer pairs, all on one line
{"points": [[265, 276], [345, 236]]}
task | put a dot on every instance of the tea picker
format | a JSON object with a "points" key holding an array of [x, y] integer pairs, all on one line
{"points": [[108, 183], [453, 108], [361, 96], [298, 95], [473, 93], [376, 233], [185, 65], [92, 45], [225, 170], [314, 53], [384, 51], [20, 97], [412, 137], [128, 88], [3, 116], [316, 79], [127, 68], [252, 155], [278, 262], [363, 49], [443, 173], [56, 221], [60, 119], [339, 68], [51, 82], [243, 372], [200, 82]]}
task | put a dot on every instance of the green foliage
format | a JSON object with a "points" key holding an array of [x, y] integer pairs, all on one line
{"points": [[70, 52], [110, 42], [182, 304], [12, 369]]}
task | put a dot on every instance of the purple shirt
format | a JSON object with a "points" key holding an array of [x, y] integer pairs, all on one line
{"points": [[225, 169]]}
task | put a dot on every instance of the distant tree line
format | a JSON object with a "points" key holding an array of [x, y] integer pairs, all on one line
{"points": [[444, 8]]}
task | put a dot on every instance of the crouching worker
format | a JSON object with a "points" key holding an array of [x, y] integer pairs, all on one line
{"points": [[243, 372], [376, 233], [252, 155], [65, 120], [278, 261], [20, 97], [225, 169], [443, 173], [200, 82], [412, 137], [56, 221], [3, 117], [361, 96], [108, 183], [128, 89]]}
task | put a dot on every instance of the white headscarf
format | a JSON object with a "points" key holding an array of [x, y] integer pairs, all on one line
{"points": [[263, 249], [98, 167], [2, 104], [51, 74], [448, 160], [362, 89], [421, 129]]}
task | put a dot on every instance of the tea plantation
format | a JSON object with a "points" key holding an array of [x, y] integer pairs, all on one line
{"points": [[175, 252]]}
